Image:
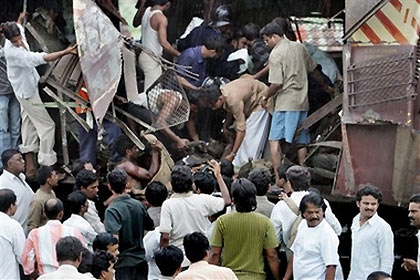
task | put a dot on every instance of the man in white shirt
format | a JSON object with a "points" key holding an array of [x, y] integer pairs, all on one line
{"points": [[315, 249], [69, 256], [38, 129], [78, 205], [197, 249], [414, 216], [151, 243], [186, 212], [283, 217], [372, 237], [87, 181], [154, 38], [14, 179], [12, 237]]}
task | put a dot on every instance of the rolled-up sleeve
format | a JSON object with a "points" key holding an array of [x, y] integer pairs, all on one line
{"points": [[276, 74], [165, 225], [238, 114]]}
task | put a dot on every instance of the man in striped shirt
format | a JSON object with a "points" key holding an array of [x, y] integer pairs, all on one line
{"points": [[40, 245]]}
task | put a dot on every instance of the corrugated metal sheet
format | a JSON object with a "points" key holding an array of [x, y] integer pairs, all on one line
{"points": [[319, 32]]}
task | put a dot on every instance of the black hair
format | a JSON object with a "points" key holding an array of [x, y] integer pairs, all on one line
{"points": [[117, 179], [53, 207], [251, 31], [237, 35], [228, 182], [160, 2], [226, 168], [10, 30], [286, 27], [314, 190], [282, 170], [79, 165], [75, 201], [196, 245], [312, 198], [299, 177], [101, 262], [205, 182], [85, 178], [122, 144], [217, 43], [7, 155], [273, 28], [415, 198], [244, 195], [86, 264], [181, 179], [168, 260], [43, 173], [261, 178], [7, 198], [68, 248], [211, 94], [378, 275], [369, 189], [156, 193], [103, 240]]}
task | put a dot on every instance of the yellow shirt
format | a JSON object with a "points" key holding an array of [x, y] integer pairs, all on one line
{"points": [[290, 63]]}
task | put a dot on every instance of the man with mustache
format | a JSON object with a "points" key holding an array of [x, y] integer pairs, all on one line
{"points": [[372, 237], [414, 216], [315, 249]]}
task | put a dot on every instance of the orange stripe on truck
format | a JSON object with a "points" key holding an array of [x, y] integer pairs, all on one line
{"points": [[365, 28], [392, 29]]}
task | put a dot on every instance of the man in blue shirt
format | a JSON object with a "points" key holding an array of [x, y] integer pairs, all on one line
{"points": [[197, 57]]}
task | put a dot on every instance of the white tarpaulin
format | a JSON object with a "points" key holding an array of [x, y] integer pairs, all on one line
{"points": [[99, 46]]}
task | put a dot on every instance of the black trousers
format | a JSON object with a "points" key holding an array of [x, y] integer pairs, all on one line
{"points": [[138, 272]]}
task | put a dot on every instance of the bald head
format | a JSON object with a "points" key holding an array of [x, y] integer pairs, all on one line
{"points": [[53, 209]]}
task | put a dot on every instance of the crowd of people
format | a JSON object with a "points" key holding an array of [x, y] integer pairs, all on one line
{"points": [[158, 218], [210, 225]]}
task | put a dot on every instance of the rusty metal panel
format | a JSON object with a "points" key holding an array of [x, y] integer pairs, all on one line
{"points": [[406, 173], [372, 149], [381, 85], [381, 80]]}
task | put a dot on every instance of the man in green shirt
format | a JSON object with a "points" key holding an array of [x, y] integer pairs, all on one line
{"points": [[244, 236], [126, 219]]}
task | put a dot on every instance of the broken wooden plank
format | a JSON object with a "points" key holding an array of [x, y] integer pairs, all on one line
{"points": [[37, 37], [331, 144], [321, 112], [70, 110], [133, 137], [75, 76]]}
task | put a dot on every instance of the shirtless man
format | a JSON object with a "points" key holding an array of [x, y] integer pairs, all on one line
{"points": [[130, 152]]}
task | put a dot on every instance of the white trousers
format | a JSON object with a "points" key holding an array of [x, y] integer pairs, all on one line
{"points": [[38, 130], [257, 128], [151, 69]]}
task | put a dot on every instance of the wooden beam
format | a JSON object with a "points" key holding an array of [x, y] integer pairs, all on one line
{"points": [[70, 110], [321, 112]]}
